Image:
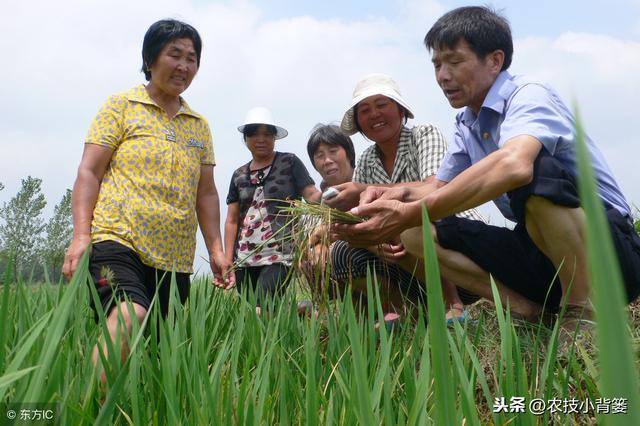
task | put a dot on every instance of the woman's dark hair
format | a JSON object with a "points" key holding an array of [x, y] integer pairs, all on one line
{"points": [[482, 28], [251, 129], [403, 110], [331, 135], [163, 32]]}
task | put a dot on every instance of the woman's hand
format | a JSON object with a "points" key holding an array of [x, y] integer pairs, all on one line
{"points": [[390, 252], [348, 196], [73, 255], [314, 261], [223, 276]]}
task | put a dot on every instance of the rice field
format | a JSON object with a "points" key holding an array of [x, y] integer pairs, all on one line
{"points": [[215, 362]]}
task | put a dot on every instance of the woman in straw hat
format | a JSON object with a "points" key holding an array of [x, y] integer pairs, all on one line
{"points": [[256, 236], [400, 155]]}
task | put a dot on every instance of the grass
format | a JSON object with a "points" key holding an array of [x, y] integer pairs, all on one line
{"points": [[214, 361]]}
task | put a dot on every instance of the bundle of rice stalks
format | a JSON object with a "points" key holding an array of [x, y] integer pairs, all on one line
{"points": [[311, 236], [322, 211], [307, 231]]}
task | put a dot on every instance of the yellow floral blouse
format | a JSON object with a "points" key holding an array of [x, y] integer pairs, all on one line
{"points": [[148, 194]]}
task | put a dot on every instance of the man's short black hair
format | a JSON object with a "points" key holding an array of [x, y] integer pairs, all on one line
{"points": [[331, 135], [483, 29], [162, 32]]}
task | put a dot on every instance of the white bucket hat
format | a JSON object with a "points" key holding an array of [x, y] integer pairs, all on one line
{"points": [[262, 115], [370, 85]]}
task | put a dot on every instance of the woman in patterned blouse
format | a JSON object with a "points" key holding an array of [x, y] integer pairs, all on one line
{"points": [[257, 235], [144, 183]]}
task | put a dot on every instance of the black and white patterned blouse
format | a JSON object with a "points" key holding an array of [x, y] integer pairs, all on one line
{"points": [[259, 195]]}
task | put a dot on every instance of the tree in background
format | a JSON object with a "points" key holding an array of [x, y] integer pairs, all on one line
{"points": [[21, 232], [59, 231], [2, 253]]}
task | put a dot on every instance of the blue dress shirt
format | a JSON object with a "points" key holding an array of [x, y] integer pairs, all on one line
{"points": [[514, 106]]}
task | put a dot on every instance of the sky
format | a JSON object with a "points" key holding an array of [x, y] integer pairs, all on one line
{"points": [[301, 59]]}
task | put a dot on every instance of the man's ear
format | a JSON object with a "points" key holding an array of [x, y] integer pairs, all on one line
{"points": [[496, 59]]}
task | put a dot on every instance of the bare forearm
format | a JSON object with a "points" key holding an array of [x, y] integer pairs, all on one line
{"points": [[83, 201], [230, 232], [419, 190], [208, 210], [486, 180]]}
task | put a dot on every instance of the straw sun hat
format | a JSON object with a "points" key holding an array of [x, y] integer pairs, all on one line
{"points": [[261, 115], [370, 85]]}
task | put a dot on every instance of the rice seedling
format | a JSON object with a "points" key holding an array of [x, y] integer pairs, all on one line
{"points": [[322, 212], [615, 351]]}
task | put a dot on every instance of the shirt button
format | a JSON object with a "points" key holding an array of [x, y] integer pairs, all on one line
{"points": [[486, 135]]}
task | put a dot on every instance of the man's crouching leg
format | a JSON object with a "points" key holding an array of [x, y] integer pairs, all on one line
{"points": [[461, 270], [558, 232]]}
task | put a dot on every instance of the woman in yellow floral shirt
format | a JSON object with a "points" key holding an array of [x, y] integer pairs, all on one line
{"points": [[144, 183]]}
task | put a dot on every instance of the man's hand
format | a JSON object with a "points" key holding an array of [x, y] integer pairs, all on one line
{"points": [[386, 219], [223, 276], [348, 196], [372, 193], [74, 254]]}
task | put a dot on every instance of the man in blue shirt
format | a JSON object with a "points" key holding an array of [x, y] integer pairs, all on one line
{"points": [[514, 144]]}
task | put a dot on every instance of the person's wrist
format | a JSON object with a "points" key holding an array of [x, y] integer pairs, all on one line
{"points": [[82, 236], [414, 213]]}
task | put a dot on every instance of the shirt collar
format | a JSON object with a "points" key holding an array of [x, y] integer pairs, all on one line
{"points": [[139, 94], [501, 89], [404, 143]]}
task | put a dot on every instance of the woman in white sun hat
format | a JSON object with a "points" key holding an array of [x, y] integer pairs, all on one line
{"points": [[254, 235], [400, 155]]}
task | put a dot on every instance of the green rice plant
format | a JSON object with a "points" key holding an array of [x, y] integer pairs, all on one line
{"points": [[446, 412], [619, 376]]}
